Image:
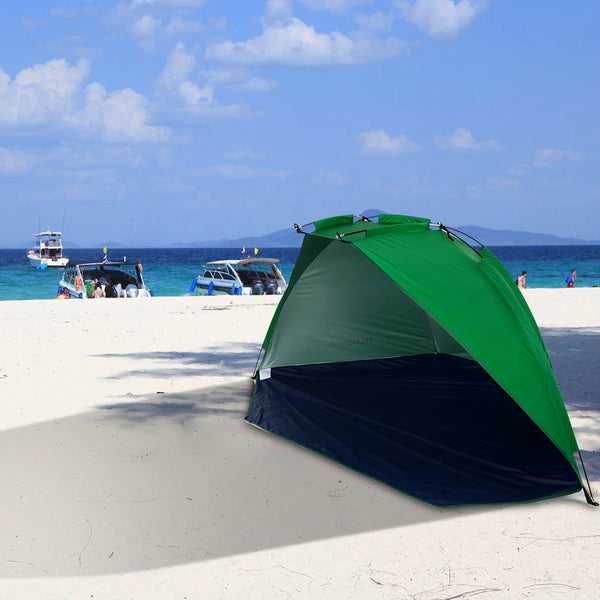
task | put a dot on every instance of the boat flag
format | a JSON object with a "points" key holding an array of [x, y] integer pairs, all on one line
{"points": [[243, 249], [255, 250], [105, 260]]}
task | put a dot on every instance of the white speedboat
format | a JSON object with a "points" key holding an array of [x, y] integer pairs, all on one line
{"points": [[48, 251], [116, 279], [245, 276]]}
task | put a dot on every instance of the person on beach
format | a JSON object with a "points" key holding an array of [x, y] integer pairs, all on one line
{"points": [[521, 280], [63, 294], [109, 290], [570, 280]]}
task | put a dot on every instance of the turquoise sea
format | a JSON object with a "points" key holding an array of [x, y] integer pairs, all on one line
{"points": [[169, 271]]}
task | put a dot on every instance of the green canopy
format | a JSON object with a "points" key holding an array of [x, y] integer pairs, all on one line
{"points": [[409, 355]]}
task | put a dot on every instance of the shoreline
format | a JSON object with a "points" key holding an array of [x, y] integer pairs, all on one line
{"points": [[129, 471], [189, 295]]}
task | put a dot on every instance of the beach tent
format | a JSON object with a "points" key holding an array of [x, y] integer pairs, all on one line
{"points": [[409, 355]]}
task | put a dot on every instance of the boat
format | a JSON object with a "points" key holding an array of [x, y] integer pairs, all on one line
{"points": [[48, 251], [245, 276], [125, 278]]}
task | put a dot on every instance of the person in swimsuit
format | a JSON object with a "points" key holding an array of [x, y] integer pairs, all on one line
{"points": [[570, 280], [521, 281]]}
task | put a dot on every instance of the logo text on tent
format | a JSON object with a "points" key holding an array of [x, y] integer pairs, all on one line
{"points": [[365, 341]]}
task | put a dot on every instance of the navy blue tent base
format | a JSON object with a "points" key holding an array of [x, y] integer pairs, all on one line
{"points": [[436, 427]]}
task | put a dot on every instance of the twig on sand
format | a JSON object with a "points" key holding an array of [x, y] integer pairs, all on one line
{"points": [[88, 540], [552, 584], [466, 594], [471, 593]]}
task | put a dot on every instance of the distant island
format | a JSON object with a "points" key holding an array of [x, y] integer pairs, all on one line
{"points": [[288, 238]]}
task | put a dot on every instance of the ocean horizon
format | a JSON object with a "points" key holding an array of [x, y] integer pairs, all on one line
{"points": [[170, 271]]}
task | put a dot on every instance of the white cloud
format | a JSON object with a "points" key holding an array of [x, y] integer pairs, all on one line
{"points": [[333, 5], [89, 158], [243, 154], [277, 11], [548, 158], [416, 187], [218, 24], [168, 3], [179, 67], [76, 45], [65, 13], [238, 80], [196, 96], [42, 93], [15, 162], [146, 26], [152, 22], [175, 85], [53, 96], [254, 84], [330, 178], [119, 116], [174, 79], [376, 21], [291, 42], [441, 18], [461, 139], [179, 26], [497, 186], [238, 171], [29, 24], [380, 143]]}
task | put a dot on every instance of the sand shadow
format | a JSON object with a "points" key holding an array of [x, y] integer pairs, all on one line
{"points": [[217, 359], [574, 356], [181, 478]]}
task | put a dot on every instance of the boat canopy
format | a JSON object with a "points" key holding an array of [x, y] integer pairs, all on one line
{"points": [[242, 262]]}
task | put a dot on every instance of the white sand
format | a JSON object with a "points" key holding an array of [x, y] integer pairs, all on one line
{"points": [[128, 472]]}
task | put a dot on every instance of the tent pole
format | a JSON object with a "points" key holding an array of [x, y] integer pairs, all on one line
{"points": [[435, 344], [589, 496], [260, 353], [453, 236]]}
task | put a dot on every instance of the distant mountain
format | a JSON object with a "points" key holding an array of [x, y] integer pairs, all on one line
{"points": [[288, 238], [109, 245], [28, 245], [508, 237], [285, 238], [68, 244]]}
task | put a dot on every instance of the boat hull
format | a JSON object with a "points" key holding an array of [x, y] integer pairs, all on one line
{"points": [[77, 278], [240, 277], [36, 261], [48, 251], [204, 288]]}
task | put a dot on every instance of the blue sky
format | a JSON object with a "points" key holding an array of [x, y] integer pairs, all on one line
{"points": [[161, 121]]}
